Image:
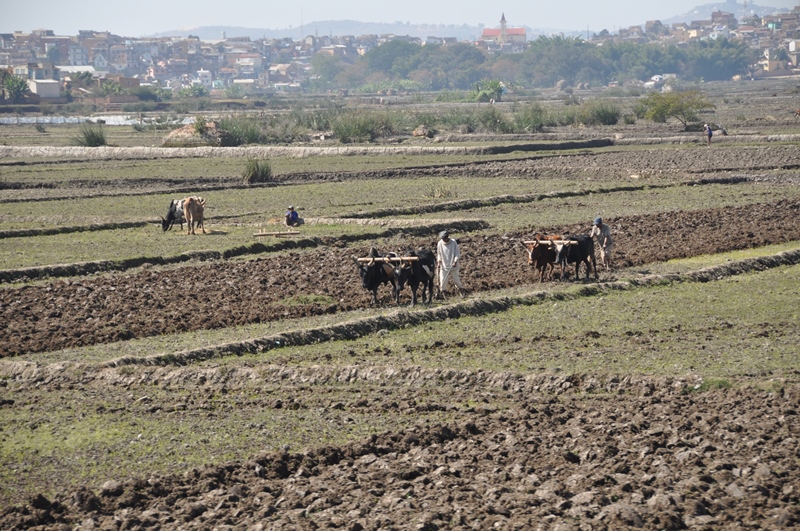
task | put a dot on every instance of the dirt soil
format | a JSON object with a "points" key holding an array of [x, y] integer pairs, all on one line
{"points": [[103, 309], [571, 453]]}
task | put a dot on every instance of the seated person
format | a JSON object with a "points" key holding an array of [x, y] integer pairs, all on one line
{"points": [[292, 219]]}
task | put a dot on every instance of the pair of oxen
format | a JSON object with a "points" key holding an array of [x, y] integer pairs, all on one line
{"points": [[415, 268]]}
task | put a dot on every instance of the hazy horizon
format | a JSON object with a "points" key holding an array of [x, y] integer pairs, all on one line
{"points": [[151, 16]]}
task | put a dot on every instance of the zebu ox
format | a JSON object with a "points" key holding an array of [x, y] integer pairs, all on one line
{"points": [[576, 250], [193, 211], [416, 272], [175, 212], [542, 255], [374, 274]]}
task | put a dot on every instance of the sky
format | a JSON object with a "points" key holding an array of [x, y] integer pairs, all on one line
{"points": [[145, 17]]}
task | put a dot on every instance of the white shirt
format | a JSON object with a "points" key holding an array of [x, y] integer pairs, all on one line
{"points": [[447, 253]]}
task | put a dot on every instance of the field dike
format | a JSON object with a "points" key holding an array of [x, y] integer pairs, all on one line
{"points": [[125, 153], [166, 372], [467, 204], [27, 274]]}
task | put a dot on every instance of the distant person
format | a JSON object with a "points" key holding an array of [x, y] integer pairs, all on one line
{"points": [[447, 257], [602, 234], [292, 218], [708, 132]]}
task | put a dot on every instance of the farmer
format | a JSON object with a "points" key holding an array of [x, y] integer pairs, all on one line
{"points": [[292, 219], [447, 256], [707, 131], [602, 234]]}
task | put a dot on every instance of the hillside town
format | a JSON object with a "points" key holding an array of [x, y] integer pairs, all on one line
{"points": [[50, 62]]}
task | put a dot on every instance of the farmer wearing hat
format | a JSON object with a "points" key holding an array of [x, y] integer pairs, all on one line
{"points": [[602, 234], [447, 256], [292, 219]]}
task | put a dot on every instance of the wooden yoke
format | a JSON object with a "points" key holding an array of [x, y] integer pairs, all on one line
{"points": [[389, 259], [550, 242]]}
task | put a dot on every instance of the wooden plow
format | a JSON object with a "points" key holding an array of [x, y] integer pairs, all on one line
{"points": [[278, 234]]}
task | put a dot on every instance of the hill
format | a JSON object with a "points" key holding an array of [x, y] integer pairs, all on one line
{"points": [[463, 32]]}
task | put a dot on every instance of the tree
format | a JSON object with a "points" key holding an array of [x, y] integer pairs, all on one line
{"points": [[384, 57], [233, 91], [326, 68], [110, 87], [15, 88], [195, 91], [145, 93], [683, 106]]}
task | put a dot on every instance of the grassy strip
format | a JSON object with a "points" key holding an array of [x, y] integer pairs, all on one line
{"points": [[468, 204], [128, 153]]}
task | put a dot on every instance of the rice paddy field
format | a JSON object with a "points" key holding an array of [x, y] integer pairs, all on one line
{"points": [[240, 380]]}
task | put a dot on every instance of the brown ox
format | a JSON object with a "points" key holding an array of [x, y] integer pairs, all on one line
{"points": [[542, 255], [797, 113], [193, 208]]}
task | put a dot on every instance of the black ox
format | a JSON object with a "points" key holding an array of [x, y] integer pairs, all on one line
{"points": [[416, 272], [376, 273], [577, 250]]}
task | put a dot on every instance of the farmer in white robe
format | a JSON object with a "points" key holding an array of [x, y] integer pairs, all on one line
{"points": [[447, 257]]}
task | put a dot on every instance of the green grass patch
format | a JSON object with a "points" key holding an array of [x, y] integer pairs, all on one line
{"points": [[711, 384]]}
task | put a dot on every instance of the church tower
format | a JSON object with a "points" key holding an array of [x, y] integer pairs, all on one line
{"points": [[503, 29]]}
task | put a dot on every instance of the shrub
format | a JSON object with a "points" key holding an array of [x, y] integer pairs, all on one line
{"points": [[601, 113], [531, 118], [459, 119], [492, 120], [200, 125], [90, 135], [40, 128], [362, 127], [440, 190], [640, 109], [240, 130], [257, 171]]}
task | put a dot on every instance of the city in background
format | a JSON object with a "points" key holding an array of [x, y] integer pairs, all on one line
{"points": [[109, 71]]}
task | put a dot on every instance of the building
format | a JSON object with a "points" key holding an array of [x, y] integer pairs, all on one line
{"points": [[505, 35], [45, 88], [36, 71]]}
